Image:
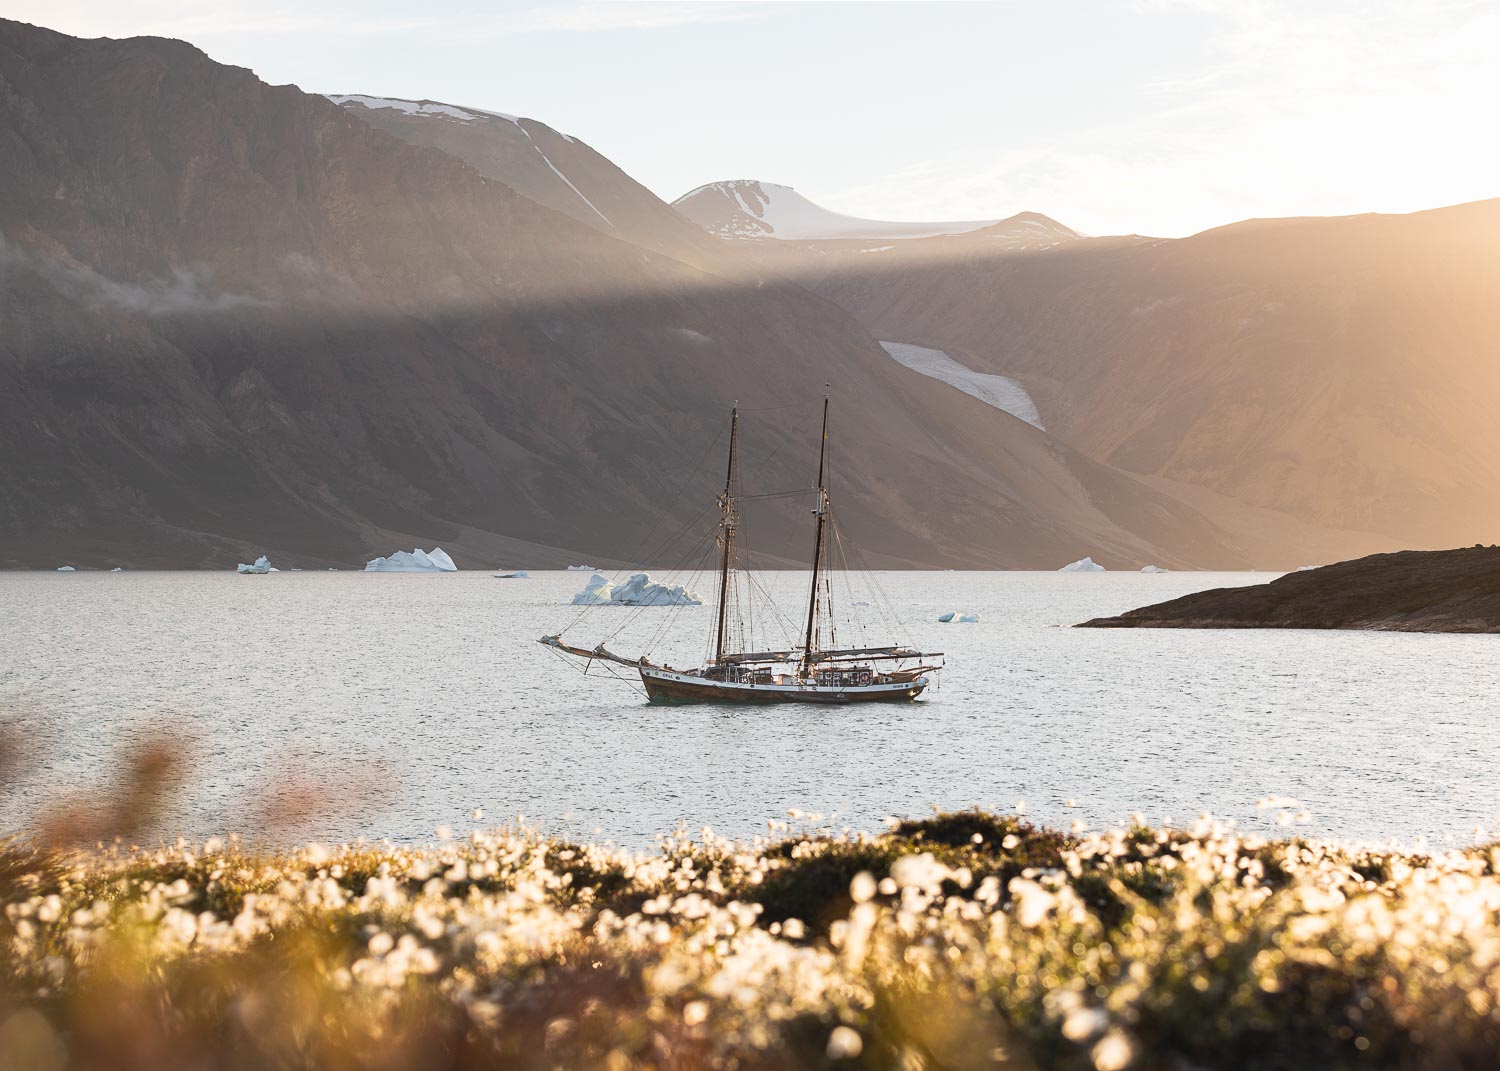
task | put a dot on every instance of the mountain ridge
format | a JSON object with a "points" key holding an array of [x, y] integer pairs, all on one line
{"points": [[753, 209], [243, 319]]}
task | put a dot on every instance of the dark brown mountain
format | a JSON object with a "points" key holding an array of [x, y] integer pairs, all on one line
{"points": [[553, 169], [1344, 370], [239, 318], [1412, 591]]}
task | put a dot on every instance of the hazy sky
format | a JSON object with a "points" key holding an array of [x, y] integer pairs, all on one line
{"points": [[1152, 116]]}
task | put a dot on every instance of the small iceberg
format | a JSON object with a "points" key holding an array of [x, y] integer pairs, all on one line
{"points": [[418, 560], [117, 569], [519, 574], [66, 569], [639, 590], [583, 568], [967, 619], [262, 565], [957, 618], [1154, 569], [1082, 565]]}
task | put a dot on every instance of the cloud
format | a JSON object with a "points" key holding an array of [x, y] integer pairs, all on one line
{"points": [[184, 292], [1308, 108], [189, 20], [602, 15]]}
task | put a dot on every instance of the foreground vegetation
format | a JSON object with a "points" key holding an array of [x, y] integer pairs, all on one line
{"points": [[964, 940]]}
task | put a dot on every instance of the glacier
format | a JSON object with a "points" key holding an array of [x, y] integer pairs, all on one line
{"points": [[639, 590], [417, 560]]}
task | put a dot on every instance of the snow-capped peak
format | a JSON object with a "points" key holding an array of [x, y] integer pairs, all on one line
{"points": [[746, 208]]}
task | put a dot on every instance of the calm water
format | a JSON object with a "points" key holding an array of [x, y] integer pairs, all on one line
{"points": [[415, 699]]}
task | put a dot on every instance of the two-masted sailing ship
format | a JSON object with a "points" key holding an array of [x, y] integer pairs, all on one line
{"points": [[807, 673]]}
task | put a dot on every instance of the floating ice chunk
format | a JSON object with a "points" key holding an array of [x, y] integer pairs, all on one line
{"points": [[66, 569], [949, 616], [262, 565], [435, 560], [117, 569], [597, 590], [1153, 569], [955, 616], [967, 619], [1082, 565], [583, 568], [639, 590], [519, 574]]}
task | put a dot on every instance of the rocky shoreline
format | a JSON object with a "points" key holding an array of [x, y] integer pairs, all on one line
{"points": [[1408, 591]]}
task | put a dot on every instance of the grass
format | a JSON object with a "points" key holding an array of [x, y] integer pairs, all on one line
{"points": [[961, 940]]}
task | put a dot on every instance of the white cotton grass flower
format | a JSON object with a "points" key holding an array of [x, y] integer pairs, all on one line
{"points": [[844, 1043], [1113, 1052], [920, 871], [863, 887]]}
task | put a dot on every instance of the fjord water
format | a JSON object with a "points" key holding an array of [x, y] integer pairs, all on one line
{"points": [[402, 702]]}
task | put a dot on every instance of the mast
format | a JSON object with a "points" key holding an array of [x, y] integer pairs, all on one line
{"points": [[821, 510], [726, 535]]}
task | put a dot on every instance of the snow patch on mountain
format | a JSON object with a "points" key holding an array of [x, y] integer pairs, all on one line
{"points": [[411, 107], [1000, 391]]}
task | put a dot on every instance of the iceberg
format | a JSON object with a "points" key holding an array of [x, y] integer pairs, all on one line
{"points": [[583, 568], [949, 616], [1153, 569], [967, 619], [418, 560], [1082, 565], [519, 574], [117, 569], [955, 616], [639, 590], [66, 569], [262, 565]]}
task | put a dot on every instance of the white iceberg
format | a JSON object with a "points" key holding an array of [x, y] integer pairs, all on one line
{"points": [[967, 619], [117, 569], [262, 565], [583, 568], [1082, 565], [418, 560], [1153, 569], [955, 616], [66, 569], [639, 590]]}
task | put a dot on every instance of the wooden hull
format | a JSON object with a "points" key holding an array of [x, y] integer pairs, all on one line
{"points": [[666, 686]]}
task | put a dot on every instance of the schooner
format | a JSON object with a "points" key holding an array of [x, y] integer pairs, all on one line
{"points": [[806, 673]]}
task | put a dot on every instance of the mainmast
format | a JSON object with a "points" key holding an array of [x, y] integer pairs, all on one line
{"points": [[726, 536], [817, 564]]}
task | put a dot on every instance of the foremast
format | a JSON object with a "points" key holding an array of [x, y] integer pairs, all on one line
{"points": [[727, 523], [821, 509]]}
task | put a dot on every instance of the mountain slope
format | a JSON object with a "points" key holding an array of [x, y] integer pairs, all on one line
{"points": [[239, 318], [1339, 369], [550, 168], [745, 208]]}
